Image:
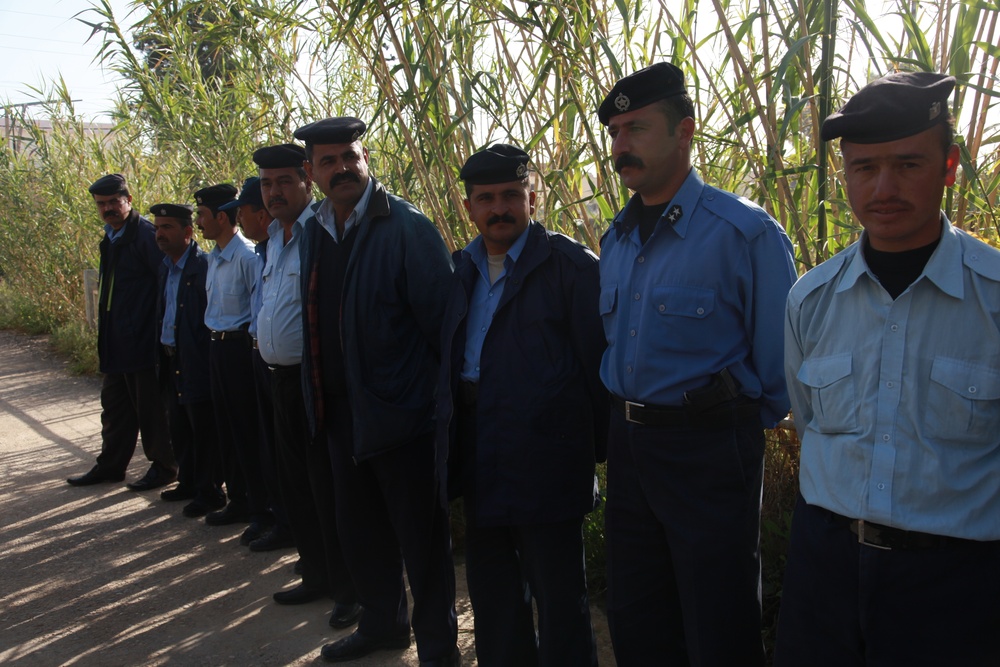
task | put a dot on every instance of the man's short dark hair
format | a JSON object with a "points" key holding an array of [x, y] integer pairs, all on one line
{"points": [[676, 108]]}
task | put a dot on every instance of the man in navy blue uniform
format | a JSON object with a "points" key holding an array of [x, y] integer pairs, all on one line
{"points": [[127, 344], [184, 359], [375, 275], [523, 417], [693, 285]]}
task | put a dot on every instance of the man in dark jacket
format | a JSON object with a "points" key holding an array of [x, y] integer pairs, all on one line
{"points": [[375, 273], [184, 367], [523, 416], [126, 344]]}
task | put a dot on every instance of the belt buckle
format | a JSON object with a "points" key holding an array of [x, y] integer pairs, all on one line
{"points": [[862, 540], [628, 411]]}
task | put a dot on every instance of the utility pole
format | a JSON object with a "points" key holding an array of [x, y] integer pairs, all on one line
{"points": [[10, 118]]}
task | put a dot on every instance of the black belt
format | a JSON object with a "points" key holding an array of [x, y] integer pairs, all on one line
{"points": [[726, 415], [169, 350], [467, 394], [888, 538], [238, 334], [278, 369], [254, 344]]}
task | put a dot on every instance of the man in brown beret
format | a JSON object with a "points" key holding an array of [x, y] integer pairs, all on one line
{"points": [[892, 349]]}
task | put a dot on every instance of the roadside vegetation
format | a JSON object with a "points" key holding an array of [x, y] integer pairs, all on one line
{"points": [[205, 82]]}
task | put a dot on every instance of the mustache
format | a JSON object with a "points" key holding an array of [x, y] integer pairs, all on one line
{"points": [[110, 214], [344, 177], [506, 217], [277, 200], [627, 160]]}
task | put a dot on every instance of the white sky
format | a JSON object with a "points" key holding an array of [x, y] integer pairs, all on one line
{"points": [[41, 39]]}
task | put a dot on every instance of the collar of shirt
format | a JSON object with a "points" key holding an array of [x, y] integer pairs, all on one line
{"points": [[230, 249], [477, 253], [179, 264], [327, 218], [940, 269], [114, 234], [686, 198], [275, 232]]}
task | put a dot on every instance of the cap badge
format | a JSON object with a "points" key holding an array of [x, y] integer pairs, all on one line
{"points": [[162, 211], [622, 102], [198, 199], [522, 170], [675, 213], [935, 111], [354, 137]]}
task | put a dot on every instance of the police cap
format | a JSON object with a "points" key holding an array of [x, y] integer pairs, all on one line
{"points": [[895, 106], [179, 211], [500, 163], [112, 184], [279, 157], [340, 130], [650, 84], [249, 194], [215, 196]]}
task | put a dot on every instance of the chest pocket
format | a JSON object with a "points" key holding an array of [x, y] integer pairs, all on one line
{"points": [[963, 402], [683, 316], [832, 394], [608, 305]]}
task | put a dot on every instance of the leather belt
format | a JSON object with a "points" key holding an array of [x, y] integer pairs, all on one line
{"points": [[726, 415], [254, 344], [277, 369], [238, 334], [889, 538]]}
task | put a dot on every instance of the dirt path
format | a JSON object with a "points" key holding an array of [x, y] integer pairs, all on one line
{"points": [[104, 576]]}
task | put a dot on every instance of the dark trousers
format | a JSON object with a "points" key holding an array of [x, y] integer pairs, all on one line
{"points": [[192, 432], [265, 418], [506, 567], [235, 400], [130, 406], [305, 479], [682, 525], [389, 511], [845, 604]]}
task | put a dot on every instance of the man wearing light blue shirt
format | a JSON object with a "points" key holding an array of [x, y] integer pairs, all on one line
{"points": [[892, 354], [304, 473], [693, 285], [232, 271]]}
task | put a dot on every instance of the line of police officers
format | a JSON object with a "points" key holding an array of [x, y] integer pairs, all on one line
{"points": [[377, 378]]}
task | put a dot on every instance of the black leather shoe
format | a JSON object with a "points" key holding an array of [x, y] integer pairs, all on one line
{"points": [[453, 660], [232, 514], [154, 478], [345, 615], [274, 539], [200, 507], [356, 645], [298, 595], [179, 492], [254, 531], [95, 476]]}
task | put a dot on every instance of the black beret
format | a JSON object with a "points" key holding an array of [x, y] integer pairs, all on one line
{"points": [[341, 130], [500, 163], [111, 184], [642, 88], [280, 156], [215, 196], [250, 194], [181, 211], [898, 105]]}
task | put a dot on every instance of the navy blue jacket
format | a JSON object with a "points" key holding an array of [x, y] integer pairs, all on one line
{"points": [[542, 412], [191, 336], [127, 337], [393, 301]]}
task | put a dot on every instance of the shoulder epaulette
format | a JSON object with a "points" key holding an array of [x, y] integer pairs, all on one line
{"points": [[749, 218], [981, 258]]}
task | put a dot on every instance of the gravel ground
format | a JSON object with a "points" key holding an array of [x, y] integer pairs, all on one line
{"points": [[104, 576]]}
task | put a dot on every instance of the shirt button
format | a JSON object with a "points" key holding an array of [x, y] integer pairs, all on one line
{"points": [[662, 308], [700, 311], [636, 296], [628, 369], [881, 486], [972, 390], [894, 327], [888, 384], [477, 369], [641, 259], [483, 329], [491, 293], [632, 332], [885, 437]]}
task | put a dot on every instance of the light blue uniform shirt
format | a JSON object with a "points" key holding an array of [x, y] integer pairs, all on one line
{"points": [[484, 300], [114, 234], [174, 273], [706, 292], [897, 403], [279, 323], [327, 218], [256, 298], [231, 274]]}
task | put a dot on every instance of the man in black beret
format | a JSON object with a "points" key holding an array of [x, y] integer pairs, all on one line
{"points": [[127, 343], [891, 354], [693, 287], [305, 477], [184, 361], [375, 275], [522, 417]]}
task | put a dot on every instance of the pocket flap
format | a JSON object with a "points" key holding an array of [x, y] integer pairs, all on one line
{"points": [[696, 302], [819, 372], [970, 380], [608, 298]]}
